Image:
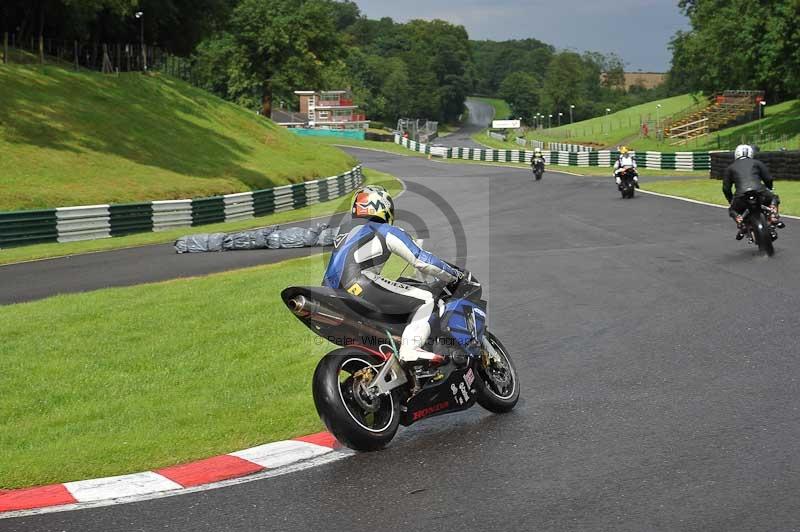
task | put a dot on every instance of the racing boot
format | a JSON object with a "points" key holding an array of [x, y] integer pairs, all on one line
{"points": [[775, 218], [636, 181], [740, 227]]}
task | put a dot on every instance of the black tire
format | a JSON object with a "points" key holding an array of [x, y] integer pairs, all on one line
{"points": [[762, 234], [334, 397], [538, 176], [490, 396]]}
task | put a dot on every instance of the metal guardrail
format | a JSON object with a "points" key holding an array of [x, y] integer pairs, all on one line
{"points": [[68, 224]]}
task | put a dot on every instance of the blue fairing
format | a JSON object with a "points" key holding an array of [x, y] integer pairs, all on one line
{"points": [[455, 322]]}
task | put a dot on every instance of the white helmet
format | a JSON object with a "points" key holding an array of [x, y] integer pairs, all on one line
{"points": [[743, 151]]}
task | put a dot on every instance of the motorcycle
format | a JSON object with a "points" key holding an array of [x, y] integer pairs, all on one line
{"points": [[628, 185], [361, 391], [538, 167], [756, 225]]}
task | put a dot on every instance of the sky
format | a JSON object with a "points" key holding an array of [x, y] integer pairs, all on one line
{"points": [[636, 30]]}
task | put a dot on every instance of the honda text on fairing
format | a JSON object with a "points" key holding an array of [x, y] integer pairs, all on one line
{"points": [[755, 206], [408, 349]]}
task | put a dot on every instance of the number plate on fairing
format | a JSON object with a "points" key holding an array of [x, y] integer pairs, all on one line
{"points": [[452, 394]]}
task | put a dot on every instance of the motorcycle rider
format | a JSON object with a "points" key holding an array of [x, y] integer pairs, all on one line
{"points": [[626, 160], [749, 174], [362, 248], [537, 158]]}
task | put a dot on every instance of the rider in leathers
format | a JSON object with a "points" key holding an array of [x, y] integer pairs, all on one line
{"points": [[748, 175], [625, 161], [362, 248]]}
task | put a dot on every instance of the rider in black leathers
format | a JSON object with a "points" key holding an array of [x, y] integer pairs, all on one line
{"points": [[749, 174]]}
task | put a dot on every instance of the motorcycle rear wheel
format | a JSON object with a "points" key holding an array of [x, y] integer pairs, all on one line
{"points": [[761, 234], [497, 384], [356, 420]]}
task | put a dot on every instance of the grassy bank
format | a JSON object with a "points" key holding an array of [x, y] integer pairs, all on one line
{"points": [[81, 138], [618, 126], [780, 128], [137, 378], [710, 191], [41, 251]]}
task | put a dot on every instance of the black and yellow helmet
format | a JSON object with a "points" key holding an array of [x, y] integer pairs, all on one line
{"points": [[374, 203]]}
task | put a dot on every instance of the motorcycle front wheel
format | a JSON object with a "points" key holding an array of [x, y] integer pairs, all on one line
{"points": [[497, 384], [355, 418]]}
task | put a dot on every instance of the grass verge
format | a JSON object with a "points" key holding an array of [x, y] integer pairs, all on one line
{"points": [[137, 378], [43, 251], [710, 191], [82, 138]]}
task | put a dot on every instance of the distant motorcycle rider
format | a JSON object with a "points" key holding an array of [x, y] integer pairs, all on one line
{"points": [[748, 175], [537, 159], [625, 161], [362, 248]]}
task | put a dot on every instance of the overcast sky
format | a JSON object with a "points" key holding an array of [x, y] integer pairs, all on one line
{"points": [[637, 30]]}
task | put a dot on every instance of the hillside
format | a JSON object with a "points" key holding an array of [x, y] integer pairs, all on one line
{"points": [[79, 138], [617, 127], [780, 128]]}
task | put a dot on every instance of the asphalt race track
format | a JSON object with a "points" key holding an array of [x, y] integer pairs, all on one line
{"points": [[659, 367]]}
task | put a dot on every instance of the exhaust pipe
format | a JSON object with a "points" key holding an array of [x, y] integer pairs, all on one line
{"points": [[305, 308]]}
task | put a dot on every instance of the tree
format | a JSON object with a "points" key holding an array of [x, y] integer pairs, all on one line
{"points": [[735, 44], [521, 91], [283, 43]]}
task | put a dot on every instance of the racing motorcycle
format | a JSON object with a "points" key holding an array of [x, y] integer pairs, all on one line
{"points": [[628, 185], [756, 225], [361, 391], [538, 167]]}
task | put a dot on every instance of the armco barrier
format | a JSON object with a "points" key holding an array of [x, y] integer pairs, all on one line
{"points": [[560, 146], [681, 161], [89, 222]]}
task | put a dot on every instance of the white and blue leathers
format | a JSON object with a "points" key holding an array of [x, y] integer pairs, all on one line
{"points": [[361, 249]]}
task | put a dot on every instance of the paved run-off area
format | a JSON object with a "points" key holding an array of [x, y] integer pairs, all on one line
{"points": [[659, 365]]}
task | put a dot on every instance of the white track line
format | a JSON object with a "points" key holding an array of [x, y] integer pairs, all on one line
{"points": [[688, 200], [317, 461]]}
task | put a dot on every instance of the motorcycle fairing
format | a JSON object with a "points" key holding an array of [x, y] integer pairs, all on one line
{"points": [[456, 392], [464, 321]]}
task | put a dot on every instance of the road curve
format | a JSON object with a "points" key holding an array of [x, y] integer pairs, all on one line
{"points": [[659, 366], [479, 118]]}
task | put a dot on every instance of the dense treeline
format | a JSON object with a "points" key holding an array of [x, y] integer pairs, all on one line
{"points": [[535, 78], [177, 25], [258, 52], [739, 44], [271, 48]]}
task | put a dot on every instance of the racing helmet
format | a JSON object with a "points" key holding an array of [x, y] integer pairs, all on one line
{"points": [[537, 152], [623, 150], [374, 203], [743, 151]]}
